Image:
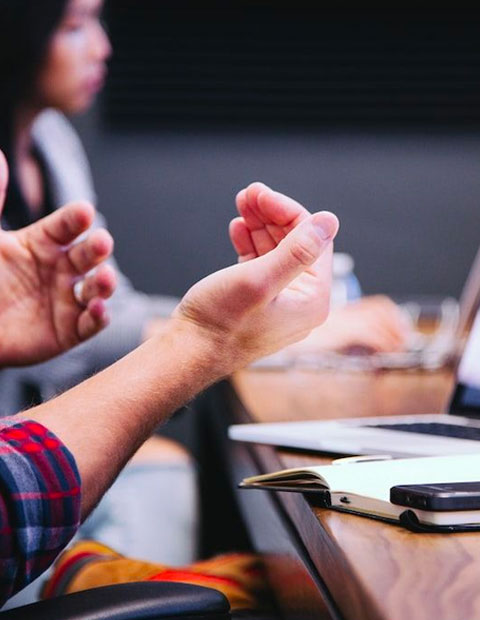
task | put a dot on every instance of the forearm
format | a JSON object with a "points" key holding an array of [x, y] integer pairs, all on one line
{"points": [[224, 322], [106, 418]]}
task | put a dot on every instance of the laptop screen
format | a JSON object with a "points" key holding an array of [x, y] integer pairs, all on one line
{"points": [[466, 398]]}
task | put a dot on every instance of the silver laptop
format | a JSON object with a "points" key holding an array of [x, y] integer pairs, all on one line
{"points": [[456, 432]]}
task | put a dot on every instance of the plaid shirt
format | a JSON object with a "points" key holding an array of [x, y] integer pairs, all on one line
{"points": [[39, 502]]}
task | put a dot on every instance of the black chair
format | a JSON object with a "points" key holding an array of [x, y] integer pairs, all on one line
{"points": [[130, 601]]}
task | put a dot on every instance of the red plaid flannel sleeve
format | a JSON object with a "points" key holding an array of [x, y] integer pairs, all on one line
{"points": [[39, 502]]}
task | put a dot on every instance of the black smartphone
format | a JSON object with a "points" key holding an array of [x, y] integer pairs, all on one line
{"points": [[438, 496]]}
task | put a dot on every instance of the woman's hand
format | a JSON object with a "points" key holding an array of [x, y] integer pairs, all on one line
{"points": [[370, 325]]}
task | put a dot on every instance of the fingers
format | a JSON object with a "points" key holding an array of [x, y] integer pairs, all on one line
{"points": [[67, 223], [268, 215], [372, 323], [280, 210], [247, 204], [91, 251], [299, 251], [384, 317], [92, 320], [95, 290], [258, 204], [241, 239], [100, 284], [3, 180], [379, 339]]}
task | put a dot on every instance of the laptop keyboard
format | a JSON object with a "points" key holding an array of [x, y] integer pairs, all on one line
{"points": [[435, 428]]}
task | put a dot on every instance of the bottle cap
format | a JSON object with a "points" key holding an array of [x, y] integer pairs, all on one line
{"points": [[343, 264]]}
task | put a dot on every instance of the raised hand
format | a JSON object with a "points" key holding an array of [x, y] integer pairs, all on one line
{"points": [[40, 314], [373, 323], [223, 323], [278, 293]]}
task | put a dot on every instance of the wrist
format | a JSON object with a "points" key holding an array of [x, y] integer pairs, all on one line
{"points": [[197, 348], [152, 327]]}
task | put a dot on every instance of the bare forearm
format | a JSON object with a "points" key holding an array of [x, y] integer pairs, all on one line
{"points": [[106, 418], [224, 322]]}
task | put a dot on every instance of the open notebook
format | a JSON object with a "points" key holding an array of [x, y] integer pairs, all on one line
{"points": [[364, 487]]}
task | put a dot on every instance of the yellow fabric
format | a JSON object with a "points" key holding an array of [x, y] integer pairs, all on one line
{"points": [[238, 576]]}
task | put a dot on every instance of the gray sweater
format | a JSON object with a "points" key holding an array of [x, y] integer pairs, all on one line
{"points": [[70, 179]]}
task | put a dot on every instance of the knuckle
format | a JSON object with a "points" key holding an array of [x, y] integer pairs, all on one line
{"points": [[254, 189], [303, 252], [66, 224], [79, 215], [256, 186]]}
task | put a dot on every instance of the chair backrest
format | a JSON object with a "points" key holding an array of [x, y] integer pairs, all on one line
{"points": [[130, 601]]}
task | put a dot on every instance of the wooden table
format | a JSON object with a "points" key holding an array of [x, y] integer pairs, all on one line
{"points": [[324, 564]]}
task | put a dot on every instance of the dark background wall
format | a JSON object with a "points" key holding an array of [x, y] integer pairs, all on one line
{"points": [[372, 115]]}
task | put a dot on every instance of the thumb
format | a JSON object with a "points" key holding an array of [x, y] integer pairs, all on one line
{"points": [[298, 251], [3, 180]]}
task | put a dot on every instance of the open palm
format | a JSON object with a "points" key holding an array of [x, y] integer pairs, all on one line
{"points": [[40, 316]]}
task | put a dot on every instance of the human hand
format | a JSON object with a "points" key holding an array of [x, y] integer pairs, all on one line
{"points": [[372, 324], [278, 293], [40, 316], [266, 217], [375, 324]]}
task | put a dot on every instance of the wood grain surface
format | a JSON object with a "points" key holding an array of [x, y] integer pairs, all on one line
{"points": [[372, 570], [271, 396]]}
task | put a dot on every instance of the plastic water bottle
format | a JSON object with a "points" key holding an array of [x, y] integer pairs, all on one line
{"points": [[345, 285]]}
